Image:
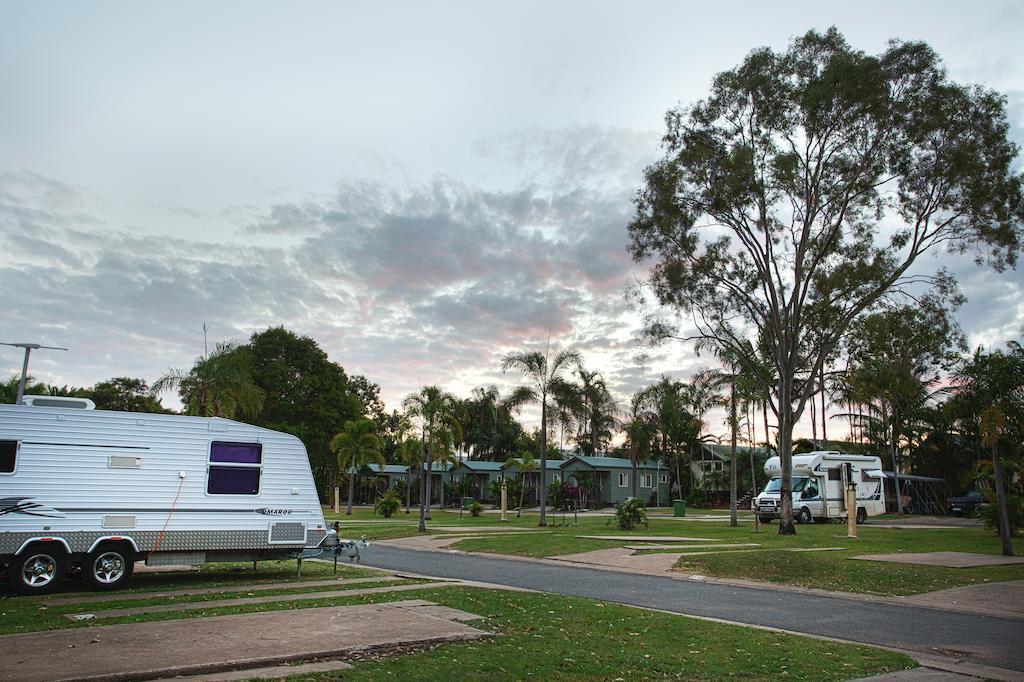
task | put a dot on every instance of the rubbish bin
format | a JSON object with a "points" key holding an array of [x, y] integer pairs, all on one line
{"points": [[678, 507], [467, 502]]}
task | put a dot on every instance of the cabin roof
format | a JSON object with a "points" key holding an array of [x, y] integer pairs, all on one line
{"points": [[610, 462]]}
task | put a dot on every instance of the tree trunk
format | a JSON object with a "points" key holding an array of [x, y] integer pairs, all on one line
{"points": [[633, 474], [423, 490], [814, 423], [543, 459], [408, 493], [351, 491], [767, 436], [824, 433], [522, 489], [786, 526], [895, 468], [732, 460], [679, 478], [1004, 517], [430, 480]]}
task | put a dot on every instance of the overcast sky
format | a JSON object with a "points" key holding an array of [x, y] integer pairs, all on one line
{"points": [[419, 186]]}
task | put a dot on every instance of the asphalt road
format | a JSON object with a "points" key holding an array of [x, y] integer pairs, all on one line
{"points": [[985, 640]]}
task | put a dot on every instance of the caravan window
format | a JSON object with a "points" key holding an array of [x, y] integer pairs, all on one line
{"points": [[234, 468], [8, 456]]}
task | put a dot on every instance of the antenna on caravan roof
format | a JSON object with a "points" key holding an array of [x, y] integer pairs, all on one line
{"points": [[29, 347]]}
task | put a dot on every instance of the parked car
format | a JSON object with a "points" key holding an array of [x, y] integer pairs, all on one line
{"points": [[967, 503]]}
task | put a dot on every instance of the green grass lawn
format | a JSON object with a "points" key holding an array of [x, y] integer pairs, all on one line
{"points": [[545, 636], [553, 637], [29, 614], [825, 570]]}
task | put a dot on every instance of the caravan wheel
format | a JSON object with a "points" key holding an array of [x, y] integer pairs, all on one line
{"points": [[804, 516], [38, 570], [862, 515], [108, 567]]}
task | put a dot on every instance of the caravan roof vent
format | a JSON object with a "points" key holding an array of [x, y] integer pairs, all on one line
{"points": [[58, 401]]}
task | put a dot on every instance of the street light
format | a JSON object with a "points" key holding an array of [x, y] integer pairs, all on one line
{"points": [[29, 347]]}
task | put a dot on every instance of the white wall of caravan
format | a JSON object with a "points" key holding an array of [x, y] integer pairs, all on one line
{"points": [[63, 464]]}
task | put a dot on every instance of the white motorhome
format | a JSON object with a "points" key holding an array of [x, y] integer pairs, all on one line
{"points": [[819, 485], [99, 490]]}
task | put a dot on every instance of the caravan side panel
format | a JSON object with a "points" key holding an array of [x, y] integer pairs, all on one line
{"points": [[85, 475]]}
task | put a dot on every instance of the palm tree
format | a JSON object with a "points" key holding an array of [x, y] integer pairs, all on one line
{"points": [[545, 374], [356, 446], [597, 411], [640, 429], [526, 464], [440, 428], [220, 384]]}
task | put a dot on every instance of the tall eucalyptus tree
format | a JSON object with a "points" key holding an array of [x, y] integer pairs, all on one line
{"points": [[804, 189]]}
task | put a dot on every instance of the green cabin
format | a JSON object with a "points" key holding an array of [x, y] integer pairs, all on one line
{"points": [[608, 480]]}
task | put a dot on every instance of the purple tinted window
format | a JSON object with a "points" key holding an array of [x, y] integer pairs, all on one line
{"points": [[233, 481], [241, 453]]}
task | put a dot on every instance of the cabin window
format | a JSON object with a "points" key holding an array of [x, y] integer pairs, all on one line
{"points": [[663, 478], [8, 456], [234, 468], [647, 481], [623, 480], [835, 475]]}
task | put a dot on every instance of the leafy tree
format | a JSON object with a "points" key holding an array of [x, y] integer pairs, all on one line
{"points": [[9, 389], [305, 394], [545, 376], [803, 190], [895, 355], [358, 445], [126, 395], [219, 384], [990, 390]]}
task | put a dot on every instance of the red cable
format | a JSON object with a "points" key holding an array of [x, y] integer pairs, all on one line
{"points": [[160, 537]]}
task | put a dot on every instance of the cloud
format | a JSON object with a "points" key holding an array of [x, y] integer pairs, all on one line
{"points": [[407, 284]]}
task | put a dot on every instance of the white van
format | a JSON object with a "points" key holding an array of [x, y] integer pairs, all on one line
{"points": [[819, 484], [98, 490]]}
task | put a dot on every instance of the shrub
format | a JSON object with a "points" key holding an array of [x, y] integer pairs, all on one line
{"points": [[387, 504], [1014, 510], [630, 514], [476, 508]]}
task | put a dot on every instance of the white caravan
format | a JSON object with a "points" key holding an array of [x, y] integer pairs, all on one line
{"points": [[819, 485], [95, 489]]}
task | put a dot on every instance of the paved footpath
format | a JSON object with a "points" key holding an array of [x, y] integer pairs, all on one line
{"points": [[985, 640]]}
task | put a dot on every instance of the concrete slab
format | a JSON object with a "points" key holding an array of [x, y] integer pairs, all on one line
{"points": [[641, 563], [653, 546], [486, 529], [816, 549], [170, 648], [646, 538], [439, 611], [245, 601], [274, 672], [948, 559], [919, 675], [1004, 599], [245, 587]]}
